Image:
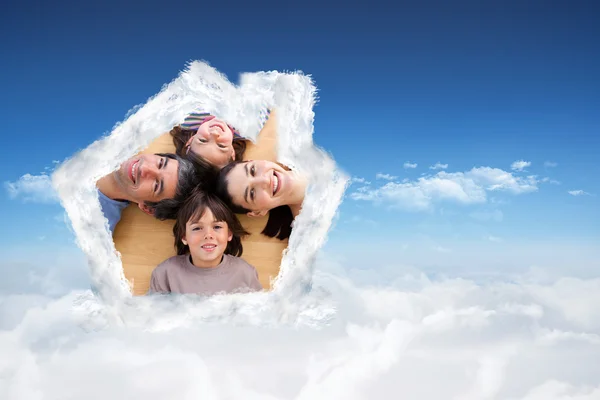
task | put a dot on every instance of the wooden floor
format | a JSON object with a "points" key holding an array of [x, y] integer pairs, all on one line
{"points": [[144, 242]]}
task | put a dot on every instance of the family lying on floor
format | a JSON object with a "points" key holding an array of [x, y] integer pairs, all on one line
{"points": [[202, 187]]}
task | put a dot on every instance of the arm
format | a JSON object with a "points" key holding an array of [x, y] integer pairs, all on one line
{"points": [[265, 147]]}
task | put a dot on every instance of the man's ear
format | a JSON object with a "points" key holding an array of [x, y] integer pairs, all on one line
{"points": [[146, 209], [260, 213]]}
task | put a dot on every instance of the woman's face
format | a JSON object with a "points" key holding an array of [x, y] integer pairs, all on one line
{"points": [[213, 142], [260, 186]]}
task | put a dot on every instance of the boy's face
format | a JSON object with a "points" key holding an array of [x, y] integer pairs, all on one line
{"points": [[213, 141], [207, 240]]}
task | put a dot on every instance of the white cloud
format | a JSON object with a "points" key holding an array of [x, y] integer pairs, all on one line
{"points": [[578, 193], [386, 177], [550, 164], [462, 187], [409, 165], [557, 390], [497, 179], [484, 216], [480, 340], [355, 219], [494, 239], [356, 179], [32, 188], [549, 180], [520, 165], [438, 165], [442, 249]]}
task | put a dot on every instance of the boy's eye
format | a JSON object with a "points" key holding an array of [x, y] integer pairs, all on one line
{"points": [[252, 194], [252, 170], [155, 186], [202, 140], [222, 146]]}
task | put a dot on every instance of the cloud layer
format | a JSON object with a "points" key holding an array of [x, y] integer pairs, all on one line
{"points": [[469, 187], [520, 165], [505, 339], [32, 188], [578, 192]]}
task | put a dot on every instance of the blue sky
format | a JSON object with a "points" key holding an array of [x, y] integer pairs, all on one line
{"points": [[467, 86]]}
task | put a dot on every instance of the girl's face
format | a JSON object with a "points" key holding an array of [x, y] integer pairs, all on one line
{"points": [[260, 186], [213, 141], [207, 239]]}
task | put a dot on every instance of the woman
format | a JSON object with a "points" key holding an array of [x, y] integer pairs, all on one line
{"points": [[258, 187]]}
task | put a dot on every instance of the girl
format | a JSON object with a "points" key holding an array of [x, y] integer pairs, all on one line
{"points": [[259, 187], [204, 138], [208, 241]]}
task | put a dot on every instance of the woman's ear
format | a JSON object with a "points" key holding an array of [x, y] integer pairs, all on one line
{"points": [[184, 241], [260, 213], [146, 209], [230, 236]]}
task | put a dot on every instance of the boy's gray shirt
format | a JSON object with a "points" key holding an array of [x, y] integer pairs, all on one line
{"points": [[178, 275]]}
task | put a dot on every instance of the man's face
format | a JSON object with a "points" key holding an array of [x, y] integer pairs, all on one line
{"points": [[148, 177]]}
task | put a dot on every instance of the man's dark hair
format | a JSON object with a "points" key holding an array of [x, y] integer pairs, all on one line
{"points": [[191, 175]]}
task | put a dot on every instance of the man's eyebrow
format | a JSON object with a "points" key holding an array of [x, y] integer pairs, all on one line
{"points": [[162, 181]]}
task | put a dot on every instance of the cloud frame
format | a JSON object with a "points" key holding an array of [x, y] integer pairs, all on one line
{"points": [[200, 85]]}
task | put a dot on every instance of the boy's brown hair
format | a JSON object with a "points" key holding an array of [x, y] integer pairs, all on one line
{"points": [[193, 209]]}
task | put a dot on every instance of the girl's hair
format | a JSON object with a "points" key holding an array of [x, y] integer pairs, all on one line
{"points": [[181, 137], [280, 219], [193, 209]]}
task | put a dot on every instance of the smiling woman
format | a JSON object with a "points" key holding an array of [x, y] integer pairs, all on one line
{"points": [[258, 187]]}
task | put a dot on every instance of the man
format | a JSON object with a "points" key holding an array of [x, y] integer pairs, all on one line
{"points": [[158, 183]]}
